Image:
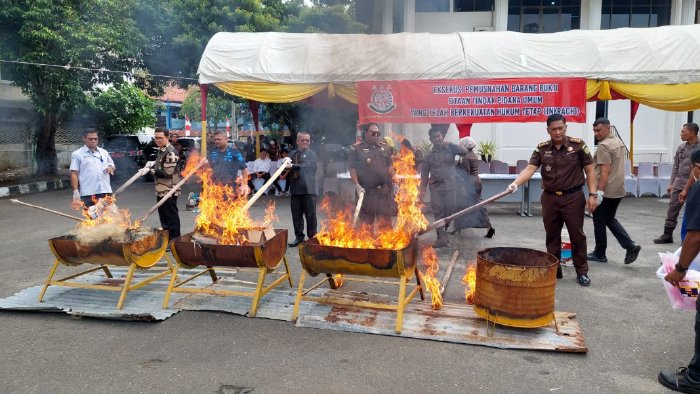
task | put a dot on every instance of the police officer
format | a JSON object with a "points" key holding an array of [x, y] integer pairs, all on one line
{"points": [[225, 162], [439, 172], [563, 160], [166, 177], [372, 173]]}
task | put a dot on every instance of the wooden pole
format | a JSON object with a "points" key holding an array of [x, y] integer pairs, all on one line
{"points": [[446, 278], [357, 208], [448, 219], [136, 176], [269, 182], [65, 215]]}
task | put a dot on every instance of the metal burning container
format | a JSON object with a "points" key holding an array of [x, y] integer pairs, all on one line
{"points": [[515, 286], [143, 251], [384, 263], [264, 256]]}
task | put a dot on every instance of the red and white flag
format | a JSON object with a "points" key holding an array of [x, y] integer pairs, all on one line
{"points": [[228, 129], [188, 126]]}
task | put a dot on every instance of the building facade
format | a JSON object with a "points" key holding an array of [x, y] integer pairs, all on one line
{"points": [[656, 132]]}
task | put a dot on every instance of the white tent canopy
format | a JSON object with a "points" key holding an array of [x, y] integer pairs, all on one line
{"points": [[663, 55]]}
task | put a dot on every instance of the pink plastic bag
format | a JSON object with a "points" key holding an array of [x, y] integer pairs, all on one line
{"points": [[682, 297]]}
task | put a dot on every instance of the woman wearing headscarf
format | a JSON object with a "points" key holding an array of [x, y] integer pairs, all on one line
{"points": [[469, 191]]}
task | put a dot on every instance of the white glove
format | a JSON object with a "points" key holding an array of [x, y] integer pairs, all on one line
{"points": [[359, 189], [513, 187], [600, 196], [76, 195]]}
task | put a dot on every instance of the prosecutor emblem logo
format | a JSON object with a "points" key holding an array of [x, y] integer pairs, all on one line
{"points": [[382, 100]]}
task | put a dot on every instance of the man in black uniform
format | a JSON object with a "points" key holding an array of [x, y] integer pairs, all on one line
{"points": [[372, 173], [563, 160], [303, 188], [687, 380], [440, 173]]}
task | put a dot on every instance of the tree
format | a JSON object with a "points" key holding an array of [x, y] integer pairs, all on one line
{"points": [[89, 34], [123, 109], [336, 19], [218, 106]]}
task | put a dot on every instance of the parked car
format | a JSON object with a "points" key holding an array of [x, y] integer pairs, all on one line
{"points": [[127, 153], [189, 144]]}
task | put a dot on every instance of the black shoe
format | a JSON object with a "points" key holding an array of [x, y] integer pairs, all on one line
{"points": [[490, 233], [296, 242], [559, 273], [664, 239], [678, 380], [593, 256], [632, 253], [583, 280]]}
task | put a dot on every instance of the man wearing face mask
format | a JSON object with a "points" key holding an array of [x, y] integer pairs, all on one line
{"points": [[371, 171], [564, 161]]}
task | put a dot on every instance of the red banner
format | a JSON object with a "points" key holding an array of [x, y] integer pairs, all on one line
{"points": [[471, 100]]}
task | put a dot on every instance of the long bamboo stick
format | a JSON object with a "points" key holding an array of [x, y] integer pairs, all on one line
{"points": [[143, 171], [269, 182], [448, 219], [357, 208], [65, 215]]}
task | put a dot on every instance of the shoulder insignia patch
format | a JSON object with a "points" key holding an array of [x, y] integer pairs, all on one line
{"points": [[543, 144], [575, 140], [586, 150]]}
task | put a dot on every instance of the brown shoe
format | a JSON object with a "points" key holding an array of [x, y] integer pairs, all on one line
{"points": [[664, 239]]}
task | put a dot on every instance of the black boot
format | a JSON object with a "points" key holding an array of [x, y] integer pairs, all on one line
{"points": [[559, 273], [442, 240], [490, 233]]}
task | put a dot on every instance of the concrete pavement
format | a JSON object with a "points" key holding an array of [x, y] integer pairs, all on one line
{"points": [[625, 316]]}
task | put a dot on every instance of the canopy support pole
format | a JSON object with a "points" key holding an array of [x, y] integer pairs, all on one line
{"points": [[203, 90]]}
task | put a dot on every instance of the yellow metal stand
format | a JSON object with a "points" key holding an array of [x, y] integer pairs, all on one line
{"points": [[403, 300], [260, 288], [124, 289]]}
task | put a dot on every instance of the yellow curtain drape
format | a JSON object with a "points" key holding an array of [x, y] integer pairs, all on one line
{"points": [[678, 97], [272, 92]]}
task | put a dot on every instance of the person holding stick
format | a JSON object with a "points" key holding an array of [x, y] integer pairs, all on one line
{"points": [[166, 177], [303, 188]]}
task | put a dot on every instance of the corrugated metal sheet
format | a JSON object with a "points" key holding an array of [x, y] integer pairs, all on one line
{"points": [[455, 323]]}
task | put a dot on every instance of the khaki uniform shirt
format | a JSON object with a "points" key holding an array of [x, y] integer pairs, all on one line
{"points": [[611, 151], [562, 169], [681, 165], [372, 164]]}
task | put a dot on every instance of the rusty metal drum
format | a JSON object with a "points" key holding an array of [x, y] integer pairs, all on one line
{"points": [[321, 259], [515, 286], [256, 255], [145, 251]]}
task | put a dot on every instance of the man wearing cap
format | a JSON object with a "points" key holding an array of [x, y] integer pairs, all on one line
{"points": [[564, 161], [372, 172]]}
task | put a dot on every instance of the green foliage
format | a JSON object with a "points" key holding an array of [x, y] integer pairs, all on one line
{"points": [[218, 106], [336, 19], [487, 148], [123, 110]]}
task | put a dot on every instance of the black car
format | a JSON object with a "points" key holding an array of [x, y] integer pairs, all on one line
{"points": [[127, 153]]}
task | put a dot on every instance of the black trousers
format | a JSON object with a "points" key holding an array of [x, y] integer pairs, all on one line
{"points": [[604, 216], [304, 206], [443, 203], [169, 216]]}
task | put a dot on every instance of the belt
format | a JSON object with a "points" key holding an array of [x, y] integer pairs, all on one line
{"points": [[567, 191]]}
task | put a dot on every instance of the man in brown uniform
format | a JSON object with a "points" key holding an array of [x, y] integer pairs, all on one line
{"points": [[563, 160], [679, 185], [372, 172], [609, 161]]}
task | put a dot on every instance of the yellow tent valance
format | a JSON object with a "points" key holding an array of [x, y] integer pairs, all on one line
{"points": [[679, 97], [272, 92]]}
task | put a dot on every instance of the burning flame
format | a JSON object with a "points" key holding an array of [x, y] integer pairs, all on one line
{"points": [[338, 231], [221, 214], [431, 283], [469, 279], [105, 211]]}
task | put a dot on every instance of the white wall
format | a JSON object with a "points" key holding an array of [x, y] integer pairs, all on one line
{"points": [[449, 22]]}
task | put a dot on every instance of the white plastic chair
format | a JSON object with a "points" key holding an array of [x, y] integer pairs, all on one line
{"points": [[630, 180], [499, 167], [648, 183], [665, 170], [484, 167]]}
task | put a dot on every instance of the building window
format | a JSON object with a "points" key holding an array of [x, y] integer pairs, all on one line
{"points": [[544, 16], [433, 6], [473, 5], [635, 13], [174, 115]]}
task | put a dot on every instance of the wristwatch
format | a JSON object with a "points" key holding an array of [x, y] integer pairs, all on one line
{"points": [[680, 269], [592, 194]]}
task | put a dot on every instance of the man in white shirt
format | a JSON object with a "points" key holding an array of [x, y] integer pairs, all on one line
{"points": [[261, 169], [90, 168]]}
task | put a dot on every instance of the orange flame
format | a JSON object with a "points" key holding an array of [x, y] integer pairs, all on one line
{"points": [[221, 214], [105, 211], [469, 279], [338, 231], [431, 283]]}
